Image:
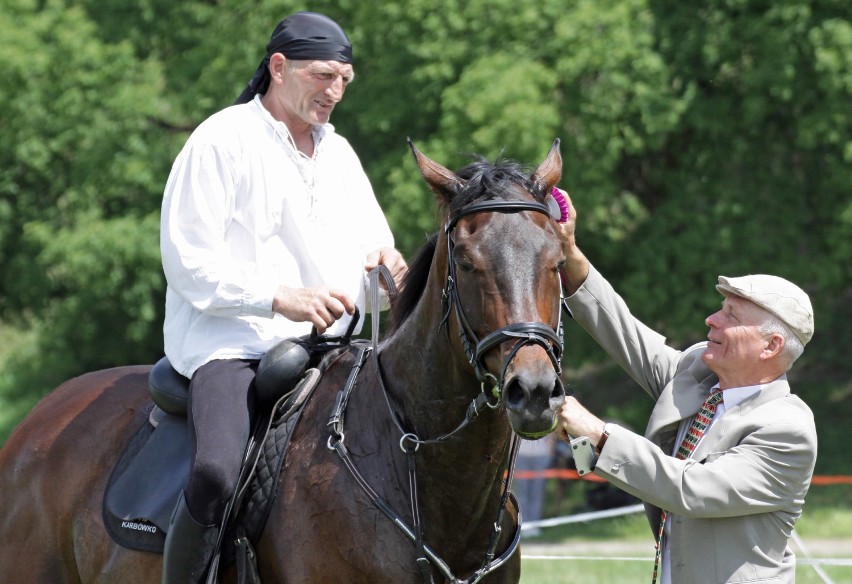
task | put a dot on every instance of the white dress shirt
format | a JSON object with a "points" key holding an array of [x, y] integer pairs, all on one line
{"points": [[244, 212], [730, 398]]}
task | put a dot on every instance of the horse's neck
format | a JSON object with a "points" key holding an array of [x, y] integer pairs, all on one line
{"points": [[425, 372], [460, 480], [431, 385]]}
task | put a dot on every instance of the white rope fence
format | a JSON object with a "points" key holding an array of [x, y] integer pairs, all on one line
{"points": [[806, 558], [584, 517]]}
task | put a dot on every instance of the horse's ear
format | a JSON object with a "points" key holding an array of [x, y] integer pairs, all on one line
{"points": [[550, 171], [444, 182]]}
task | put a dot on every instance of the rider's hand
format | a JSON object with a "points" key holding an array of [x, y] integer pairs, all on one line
{"points": [[391, 259], [320, 306]]}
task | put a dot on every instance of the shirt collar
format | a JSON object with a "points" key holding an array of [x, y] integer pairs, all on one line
{"points": [[319, 132], [733, 396]]}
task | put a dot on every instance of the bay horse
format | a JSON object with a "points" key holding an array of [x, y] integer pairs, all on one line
{"points": [[469, 362]]}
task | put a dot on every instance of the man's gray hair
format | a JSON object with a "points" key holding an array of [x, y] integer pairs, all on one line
{"points": [[793, 347]]}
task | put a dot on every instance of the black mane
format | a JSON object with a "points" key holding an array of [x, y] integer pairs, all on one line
{"points": [[484, 181], [413, 284]]}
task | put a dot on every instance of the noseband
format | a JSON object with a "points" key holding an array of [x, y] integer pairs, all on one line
{"points": [[523, 333]]}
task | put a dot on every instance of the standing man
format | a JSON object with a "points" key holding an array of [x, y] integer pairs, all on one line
{"points": [[269, 226], [729, 451]]}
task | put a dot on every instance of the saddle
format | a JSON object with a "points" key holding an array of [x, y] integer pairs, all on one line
{"points": [[146, 483]]}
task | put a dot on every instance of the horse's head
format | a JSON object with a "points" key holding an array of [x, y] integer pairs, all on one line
{"points": [[502, 292]]}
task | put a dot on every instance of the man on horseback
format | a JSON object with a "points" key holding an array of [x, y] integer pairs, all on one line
{"points": [[269, 225]]}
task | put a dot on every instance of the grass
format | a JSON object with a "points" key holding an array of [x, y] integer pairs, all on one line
{"points": [[625, 572], [583, 572], [635, 566]]}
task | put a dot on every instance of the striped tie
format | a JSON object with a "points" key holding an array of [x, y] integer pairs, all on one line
{"points": [[699, 426]]}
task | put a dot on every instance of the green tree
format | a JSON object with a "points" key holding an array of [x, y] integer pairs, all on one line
{"points": [[81, 165], [697, 139], [754, 176]]}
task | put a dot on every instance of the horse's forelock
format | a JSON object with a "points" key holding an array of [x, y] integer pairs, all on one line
{"points": [[485, 181]]}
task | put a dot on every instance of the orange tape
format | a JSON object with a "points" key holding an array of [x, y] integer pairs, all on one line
{"points": [[829, 480], [557, 473]]}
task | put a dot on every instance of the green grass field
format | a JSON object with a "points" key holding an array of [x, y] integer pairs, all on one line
{"points": [[626, 572], [826, 532]]}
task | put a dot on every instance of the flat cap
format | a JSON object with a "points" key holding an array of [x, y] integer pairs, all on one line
{"points": [[778, 296]]}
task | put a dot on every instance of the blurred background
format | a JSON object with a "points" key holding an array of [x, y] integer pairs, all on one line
{"points": [[698, 139]]}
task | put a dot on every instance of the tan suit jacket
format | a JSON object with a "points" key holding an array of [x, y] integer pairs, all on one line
{"points": [[735, 502]]}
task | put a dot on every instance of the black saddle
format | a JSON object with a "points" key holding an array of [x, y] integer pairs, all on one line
{"points": [[153, 470], [277, 373]]}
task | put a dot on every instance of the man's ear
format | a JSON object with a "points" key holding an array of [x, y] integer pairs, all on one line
{"points": [[277, 64], [773, 348]]}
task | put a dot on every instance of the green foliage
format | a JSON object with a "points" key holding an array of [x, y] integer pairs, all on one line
{"points": [[75, 137], [105, 290], [742, 182], [82, 164], [697, 140]]}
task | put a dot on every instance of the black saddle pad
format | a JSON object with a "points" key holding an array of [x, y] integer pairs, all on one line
{"points": [[148, 479], [146, 483]]}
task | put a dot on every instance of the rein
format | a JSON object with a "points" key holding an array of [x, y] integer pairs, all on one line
{"points": [[522, 333]]}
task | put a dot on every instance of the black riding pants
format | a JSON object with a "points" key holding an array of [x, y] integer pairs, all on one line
{"points": [[221, 410]]}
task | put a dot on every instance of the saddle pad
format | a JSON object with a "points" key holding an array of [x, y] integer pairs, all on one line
{"points": [[262, 486], [152, 472], [146, 483]]}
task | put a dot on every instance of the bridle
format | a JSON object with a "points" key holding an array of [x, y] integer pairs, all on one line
{"points": [[523, 334]]}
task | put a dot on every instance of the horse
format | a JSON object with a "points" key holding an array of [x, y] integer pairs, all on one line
{"points": [[416, 486]]}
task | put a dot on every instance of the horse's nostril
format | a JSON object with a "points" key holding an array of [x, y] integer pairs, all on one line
{"points": [[558, 391], [519, 395], [514, 395]]}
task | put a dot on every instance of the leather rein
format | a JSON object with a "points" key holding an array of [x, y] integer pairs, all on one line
{"points": [[521, 333]]}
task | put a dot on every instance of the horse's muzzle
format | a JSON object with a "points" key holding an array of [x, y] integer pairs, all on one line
{"points": [[533, 399]]}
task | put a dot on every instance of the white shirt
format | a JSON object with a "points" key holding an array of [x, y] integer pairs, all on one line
{"points": [[730, 398], [244, 212]]}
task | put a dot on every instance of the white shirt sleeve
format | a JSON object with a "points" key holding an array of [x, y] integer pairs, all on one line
{"points": [[198, 208]]}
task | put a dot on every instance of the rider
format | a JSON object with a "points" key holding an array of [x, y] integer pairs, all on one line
{"points": [[269, 225]]}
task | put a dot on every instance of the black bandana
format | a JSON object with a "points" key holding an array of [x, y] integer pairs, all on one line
{"points": [[301, 36]]}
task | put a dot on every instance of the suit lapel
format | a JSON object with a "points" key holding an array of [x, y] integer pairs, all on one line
{"points": [[680, 399], [731, 419]]}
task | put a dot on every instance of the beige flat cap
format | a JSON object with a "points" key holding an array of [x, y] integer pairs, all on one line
{"points": [[780, 297]]}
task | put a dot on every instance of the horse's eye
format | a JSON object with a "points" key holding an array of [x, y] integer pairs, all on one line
{"points": [[560, 266], [463, 265]]}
